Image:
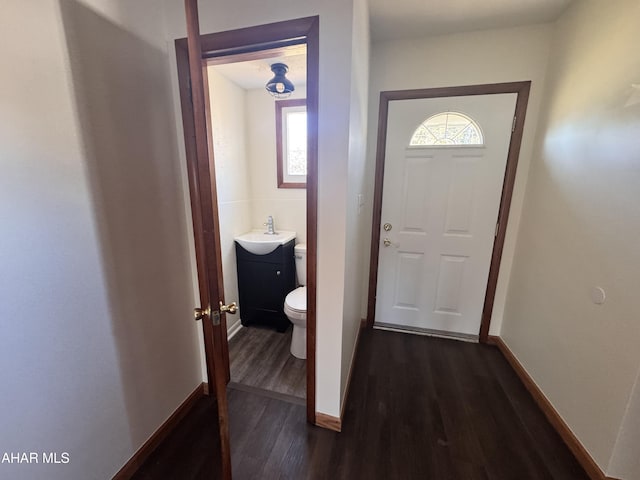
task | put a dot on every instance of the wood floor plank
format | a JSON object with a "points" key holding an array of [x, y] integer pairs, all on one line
{"points": [[260, 357], [419, 408]]}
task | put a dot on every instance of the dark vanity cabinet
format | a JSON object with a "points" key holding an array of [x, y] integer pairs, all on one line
{"points": [[263, 283]]}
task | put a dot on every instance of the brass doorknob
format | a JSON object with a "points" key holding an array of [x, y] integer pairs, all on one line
{"points": [[231, 308], [199, 313], [387, 242]]}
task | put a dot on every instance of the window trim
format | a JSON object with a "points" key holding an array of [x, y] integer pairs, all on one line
{"points": [[281, 110]]}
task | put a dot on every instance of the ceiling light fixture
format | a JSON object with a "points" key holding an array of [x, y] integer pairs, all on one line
{"points": [[279, 86]]}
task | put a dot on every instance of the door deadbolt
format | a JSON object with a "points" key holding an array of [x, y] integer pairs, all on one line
{"points": [[387, 227]]}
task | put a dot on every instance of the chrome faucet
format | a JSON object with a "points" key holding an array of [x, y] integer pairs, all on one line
{"points": [[269, 224]]}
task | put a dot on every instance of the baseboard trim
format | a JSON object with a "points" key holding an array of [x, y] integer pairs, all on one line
{"points": [[235, 328], [335, 423], [327, 421], [363, 323], [138, 458], [584, 458]]}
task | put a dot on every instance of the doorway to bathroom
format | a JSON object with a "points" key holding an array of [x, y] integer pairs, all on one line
{"points": [[259, 142], [245, 192]]}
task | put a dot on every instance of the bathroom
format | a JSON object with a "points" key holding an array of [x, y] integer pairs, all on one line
{"points": [[253, 196]]}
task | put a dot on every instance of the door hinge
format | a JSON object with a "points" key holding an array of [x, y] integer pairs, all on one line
{"points": [[497, 229], [513, 125], [215, 317]]}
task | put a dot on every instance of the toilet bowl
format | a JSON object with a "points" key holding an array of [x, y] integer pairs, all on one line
{"points": [[295, 305], [295, 308]]}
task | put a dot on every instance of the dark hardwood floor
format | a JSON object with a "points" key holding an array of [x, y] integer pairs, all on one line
{"points": [[260, 358], [419, 408]]}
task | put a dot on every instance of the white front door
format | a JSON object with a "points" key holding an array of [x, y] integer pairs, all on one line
{"points": [[439, 210]]}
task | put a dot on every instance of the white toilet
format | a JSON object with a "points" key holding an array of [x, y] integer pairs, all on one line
{"points": [[295, 305]]}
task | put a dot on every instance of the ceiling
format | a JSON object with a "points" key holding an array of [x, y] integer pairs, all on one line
{"points": [[255, 73], [404, 19], [419, 18]]}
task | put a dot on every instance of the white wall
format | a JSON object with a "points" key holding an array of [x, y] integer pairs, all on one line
{"points": [[580, 229], [491, 56], [229, 126], [97, 345], [333, 130], [287, 206], [357, 227]]}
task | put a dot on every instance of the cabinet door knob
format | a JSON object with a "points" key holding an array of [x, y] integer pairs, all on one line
{"points": [[278, 272]]}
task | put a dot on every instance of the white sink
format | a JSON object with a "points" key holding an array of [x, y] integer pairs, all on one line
{"points": [[260, 243]]}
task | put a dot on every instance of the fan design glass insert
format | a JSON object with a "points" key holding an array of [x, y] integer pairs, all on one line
{"points": [[447, 128]]}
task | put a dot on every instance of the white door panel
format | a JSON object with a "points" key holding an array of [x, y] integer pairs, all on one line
{"points": [[442, 203]]}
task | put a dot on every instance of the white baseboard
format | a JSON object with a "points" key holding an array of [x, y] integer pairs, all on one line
{"points": [[233, 329]]}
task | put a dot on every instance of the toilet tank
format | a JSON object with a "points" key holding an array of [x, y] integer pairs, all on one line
{"points": [[300, 252]]}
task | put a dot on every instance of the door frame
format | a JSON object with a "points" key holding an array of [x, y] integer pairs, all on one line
{"points": [[244, 43], [522, 90]]}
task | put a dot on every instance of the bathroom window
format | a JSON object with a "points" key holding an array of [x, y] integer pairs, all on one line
{"points": [[447, 128], [291, 143]]}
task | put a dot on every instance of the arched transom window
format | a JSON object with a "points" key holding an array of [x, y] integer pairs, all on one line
{"points": [[447, 128]]}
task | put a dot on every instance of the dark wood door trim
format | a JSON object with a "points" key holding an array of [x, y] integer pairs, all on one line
{"points": [[233, 44], [522, 90]]}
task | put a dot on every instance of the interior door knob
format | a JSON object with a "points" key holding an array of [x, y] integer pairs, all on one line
{"points": [[387, 242], [231, 308], [199, 313]]}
